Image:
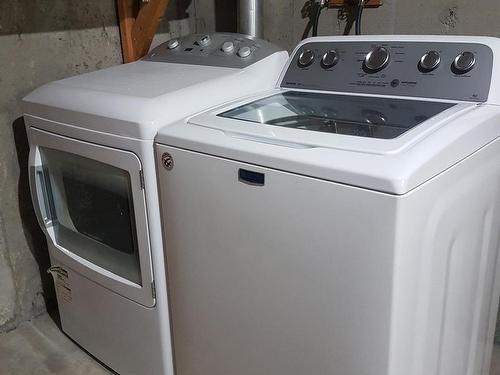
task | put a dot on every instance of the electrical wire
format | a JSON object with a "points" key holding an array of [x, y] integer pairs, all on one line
{"points": [[361, 5]]}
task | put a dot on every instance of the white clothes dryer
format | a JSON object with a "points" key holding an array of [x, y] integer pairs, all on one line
{"points": [[94, 187]]}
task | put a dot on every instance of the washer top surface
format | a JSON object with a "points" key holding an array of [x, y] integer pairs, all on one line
{"points": [[176, 79], [350, 130]]}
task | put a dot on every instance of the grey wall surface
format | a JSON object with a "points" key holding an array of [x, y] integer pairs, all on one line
{"points": [[45, 40], [42, 41]]}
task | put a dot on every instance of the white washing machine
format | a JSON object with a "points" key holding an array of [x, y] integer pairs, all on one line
{"points": [[94, 187], [346, 222]]}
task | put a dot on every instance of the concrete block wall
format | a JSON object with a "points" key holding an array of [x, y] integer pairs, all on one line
{"points": [[40, 41]]}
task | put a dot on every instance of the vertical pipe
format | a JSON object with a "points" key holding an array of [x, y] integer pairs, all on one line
{"points": [[250, 17]]}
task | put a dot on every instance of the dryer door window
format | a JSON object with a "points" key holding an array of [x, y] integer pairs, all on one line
{"points": [[92, 211]]}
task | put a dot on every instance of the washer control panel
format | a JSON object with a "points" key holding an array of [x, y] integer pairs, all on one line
{"points": [[444, 70], [218, 49]]}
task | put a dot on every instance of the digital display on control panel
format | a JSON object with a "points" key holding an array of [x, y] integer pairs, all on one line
{"points": [[459, 71]]}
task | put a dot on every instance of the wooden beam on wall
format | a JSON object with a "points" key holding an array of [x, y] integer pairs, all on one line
{"points": [[138, 26], [127, 9], [146, 24]]}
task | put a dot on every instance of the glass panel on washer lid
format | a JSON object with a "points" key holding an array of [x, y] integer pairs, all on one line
{"points": [[361, 116]]}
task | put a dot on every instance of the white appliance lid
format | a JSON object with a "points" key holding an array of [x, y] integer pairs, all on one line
{"points": [[305, 119], [372, 117]]}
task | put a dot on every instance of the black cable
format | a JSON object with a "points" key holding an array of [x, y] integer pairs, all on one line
{"points": [[316, 19], [358, 17]]}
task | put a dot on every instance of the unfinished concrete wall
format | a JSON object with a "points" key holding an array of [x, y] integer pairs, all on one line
{"points": [[41, 41], [285, 20]]}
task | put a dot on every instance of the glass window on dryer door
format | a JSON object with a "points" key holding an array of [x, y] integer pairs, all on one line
{"points": [[92, 211]]}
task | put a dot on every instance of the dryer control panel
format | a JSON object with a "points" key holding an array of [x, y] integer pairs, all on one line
{"points": [[217, 49], [444, 70]]}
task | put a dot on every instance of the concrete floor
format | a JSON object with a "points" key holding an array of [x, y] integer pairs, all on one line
{"points": [[39, 347]]}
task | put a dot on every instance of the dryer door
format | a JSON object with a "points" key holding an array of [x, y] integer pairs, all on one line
{"points": [[90, 202]]}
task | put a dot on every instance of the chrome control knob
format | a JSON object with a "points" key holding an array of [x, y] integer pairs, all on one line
{"points": [[205, 40], [430, 61], [244, 52], [172, 44], [228, 47], [464, 62], [330, 59], [377, 59], [306, 58]]}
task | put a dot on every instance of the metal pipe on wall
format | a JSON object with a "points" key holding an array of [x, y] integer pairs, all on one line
{"points": [[250, 17]]}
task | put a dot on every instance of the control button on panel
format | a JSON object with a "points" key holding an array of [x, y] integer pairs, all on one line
{"points": [[172, 44], [330, 59], [464, 62], [228, 47], [244, 52], [306, 58], [205, 40], [430, 61], [377, 59]]}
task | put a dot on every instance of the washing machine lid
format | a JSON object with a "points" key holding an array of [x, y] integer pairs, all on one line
{"points": [[366, 124], [388, 144], [358, 116]]}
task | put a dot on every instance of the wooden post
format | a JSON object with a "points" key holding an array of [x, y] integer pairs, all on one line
{"points": [[138, 26], [127, 9]]}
